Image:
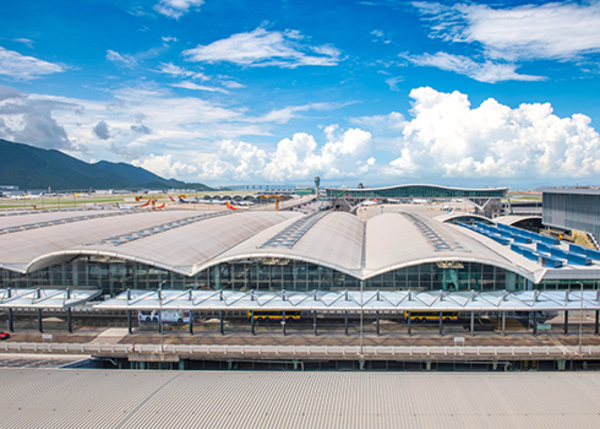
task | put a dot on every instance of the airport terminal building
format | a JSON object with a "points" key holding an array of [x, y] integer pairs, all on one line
{"points": [[405, 252]]}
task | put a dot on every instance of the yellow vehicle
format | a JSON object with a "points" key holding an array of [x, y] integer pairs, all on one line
{"points": [[431, 316], [275, 315]]}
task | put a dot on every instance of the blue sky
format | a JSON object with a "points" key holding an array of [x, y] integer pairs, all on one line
{"points": [[378, 92]]}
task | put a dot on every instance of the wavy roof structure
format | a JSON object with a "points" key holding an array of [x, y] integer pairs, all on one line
{"points": [[190, 241]]}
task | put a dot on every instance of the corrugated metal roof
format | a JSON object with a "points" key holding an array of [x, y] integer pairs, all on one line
{"points": [[175, 399], [512, 219], [337, 240], [353, 300], [45, 298]]}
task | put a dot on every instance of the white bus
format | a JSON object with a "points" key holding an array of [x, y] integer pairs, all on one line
{"points": [[168, 316]]}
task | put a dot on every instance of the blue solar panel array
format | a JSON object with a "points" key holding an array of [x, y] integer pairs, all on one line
{"points": [[546, 253], [580, 250]]}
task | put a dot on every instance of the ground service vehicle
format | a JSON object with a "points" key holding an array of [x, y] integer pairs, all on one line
{"points": [[168, 316], [431, 316], [275, 315]]}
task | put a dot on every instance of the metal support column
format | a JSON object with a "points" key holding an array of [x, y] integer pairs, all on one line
{"points": [[534, 323], [69, 325], [597, 325], [377, 322], [40, 327], [11, 327], [472, 323], [191, 322], [315, 322], [441, 324], [129, 322], [221, 329], [252, 322], [503, 323], [346, 322], [408, 320], [160, 322], [566, 322], [283, 323]]}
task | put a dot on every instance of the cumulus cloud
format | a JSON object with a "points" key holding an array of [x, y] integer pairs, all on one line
{"points": [[261, 48], [122, 60], [487, 71], [141, 129], [165, 166], [23, 68], [101, 130], [346, 154], [31, 121], [447, 137], [559, 30], [176, 8]]}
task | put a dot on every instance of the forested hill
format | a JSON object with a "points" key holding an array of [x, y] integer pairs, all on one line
{"points": [[30, 167]]}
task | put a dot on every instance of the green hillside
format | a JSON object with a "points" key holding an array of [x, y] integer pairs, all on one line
{"points": [[30, 167]]}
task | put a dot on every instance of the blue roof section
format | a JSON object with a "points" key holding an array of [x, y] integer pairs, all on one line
{"points": [[494, 236], [580, 250], [532, 235], [545, 253]]}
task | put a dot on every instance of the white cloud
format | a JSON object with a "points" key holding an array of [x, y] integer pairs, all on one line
{"points": [[21, 67], [176, 8], [165, 166], [559, 30], [393, 82], [380, 36], [232, 84], [346, 154], [176, 71], [261, 48], [196, 87], [122, 60], [448, 138], [488, 71], [27, 42]]}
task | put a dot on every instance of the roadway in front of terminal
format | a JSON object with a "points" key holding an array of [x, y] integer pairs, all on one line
{"points": [[331, 333]]}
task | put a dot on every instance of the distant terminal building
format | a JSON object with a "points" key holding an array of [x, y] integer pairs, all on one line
{"points": [[259, 187], [486, 200], [573, 209], [8, 189]]}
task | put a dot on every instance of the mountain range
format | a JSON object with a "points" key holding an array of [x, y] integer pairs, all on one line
{"points": [[30, 167]]}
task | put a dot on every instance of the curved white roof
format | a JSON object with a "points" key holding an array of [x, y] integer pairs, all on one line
{"points": [[189, 241], [512, 219], [181, 248]]}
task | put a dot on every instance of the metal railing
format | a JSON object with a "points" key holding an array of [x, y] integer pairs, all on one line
{"points": [[381, 352]]}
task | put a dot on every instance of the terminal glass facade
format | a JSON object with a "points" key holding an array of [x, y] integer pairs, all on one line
{"points": [[115, 276], [417, 191]]}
